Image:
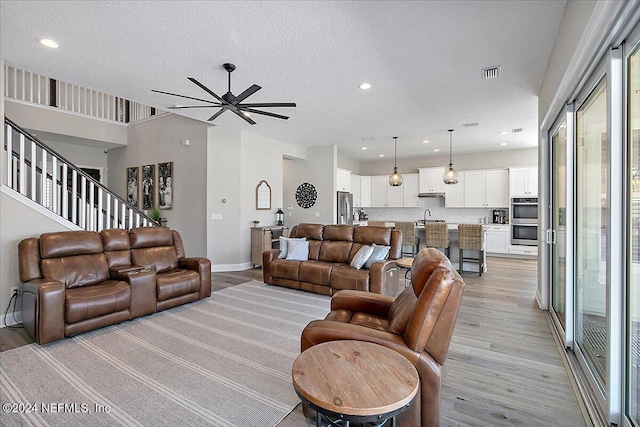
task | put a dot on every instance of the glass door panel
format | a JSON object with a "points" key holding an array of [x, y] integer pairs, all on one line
{"points": [[558, 221], [591, 232], [633, 260]]}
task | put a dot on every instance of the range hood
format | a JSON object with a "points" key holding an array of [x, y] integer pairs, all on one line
{"points": [[430, 194]]}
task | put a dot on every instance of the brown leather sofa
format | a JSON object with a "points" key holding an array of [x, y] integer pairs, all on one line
{"points": [[331, 249], [77, 281], [418, 324]]}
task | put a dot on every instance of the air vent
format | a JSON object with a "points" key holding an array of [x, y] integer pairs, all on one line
{"points": [[518, 130], [470, 125], [491, 73]]}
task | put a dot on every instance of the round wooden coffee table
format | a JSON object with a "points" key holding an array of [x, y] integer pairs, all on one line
{"points": [[354, 381]]}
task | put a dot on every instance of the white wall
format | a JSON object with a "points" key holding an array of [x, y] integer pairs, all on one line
{"points": [[349, 164], [82, 155], [319, 170], [236, 162], [157, 140], [463, 161], [19, 220], [48, 119]]}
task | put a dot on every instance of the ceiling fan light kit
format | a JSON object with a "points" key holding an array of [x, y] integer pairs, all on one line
{"points": [[231, 102], [395, 179], [451, 176]]}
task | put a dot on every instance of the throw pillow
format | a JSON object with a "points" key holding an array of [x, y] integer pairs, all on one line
{"points": [[284, 246], [361, 257], [298, 250], [379, 253]]}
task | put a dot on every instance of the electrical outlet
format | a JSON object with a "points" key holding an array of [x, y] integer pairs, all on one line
{"points": [[14, 290]]}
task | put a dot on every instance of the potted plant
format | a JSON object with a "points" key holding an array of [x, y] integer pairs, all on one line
{"points": [[154, 213], [256, 222]]}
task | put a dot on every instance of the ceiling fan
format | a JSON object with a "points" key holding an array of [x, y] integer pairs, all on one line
{"points": [[231, 102]]}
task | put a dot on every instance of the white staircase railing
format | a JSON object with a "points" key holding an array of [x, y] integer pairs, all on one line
{"points": [[47, 178]]}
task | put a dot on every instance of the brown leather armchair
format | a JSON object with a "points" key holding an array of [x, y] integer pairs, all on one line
{"points": [[418, 324]]}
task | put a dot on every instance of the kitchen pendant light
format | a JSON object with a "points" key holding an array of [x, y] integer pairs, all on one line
{"points": [[395, 179], [451, 176]]}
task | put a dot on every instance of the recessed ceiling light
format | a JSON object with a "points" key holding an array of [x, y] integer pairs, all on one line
{"points": [[426, 141], [368, 138], [48, 43], [364, 148], [504, 132], [503, 143], [364, 86], [436, 150], [380, 155]]}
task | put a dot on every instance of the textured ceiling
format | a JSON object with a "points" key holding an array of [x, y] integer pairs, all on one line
{"points": [[423, 60]]}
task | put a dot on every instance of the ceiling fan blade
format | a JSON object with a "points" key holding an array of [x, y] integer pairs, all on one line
{"points": [[270, 104], [176, 107], [184, 96], [245, 118], [247, 93], [265, 113], [206, 89], [222, 110]]}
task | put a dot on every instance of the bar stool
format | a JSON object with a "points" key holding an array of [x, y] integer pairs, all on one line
{"points": [[471, 238], [409, 237], [437, 236]]}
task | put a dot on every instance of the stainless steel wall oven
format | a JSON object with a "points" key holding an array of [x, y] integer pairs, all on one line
{"points": [[524, 221]]}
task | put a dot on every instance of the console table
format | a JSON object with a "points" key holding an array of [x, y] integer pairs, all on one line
{"points": [[354, 381], [265, 238]]}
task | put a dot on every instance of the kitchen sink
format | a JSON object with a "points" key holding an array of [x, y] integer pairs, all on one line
{"points": [[422, 221]]}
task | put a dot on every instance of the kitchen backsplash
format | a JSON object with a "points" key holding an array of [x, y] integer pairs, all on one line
{"points": [[438, 211]]}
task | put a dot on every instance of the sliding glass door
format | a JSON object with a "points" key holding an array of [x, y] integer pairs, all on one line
{"points": [[632, 344], [591, 234], [558, 237]]}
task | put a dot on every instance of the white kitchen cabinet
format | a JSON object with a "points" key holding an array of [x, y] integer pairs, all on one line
{"points": [[356, 190], [411, 188], [523, 182], [523, 250], [454, 193], [497, 188], [343, 180], [384, 195], [395, 195], [379, 185], [497, 239], [486, 188], [431, 180], [365, 191]]}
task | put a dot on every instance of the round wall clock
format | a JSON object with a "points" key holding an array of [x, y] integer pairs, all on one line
{"points": [[306, 195]]}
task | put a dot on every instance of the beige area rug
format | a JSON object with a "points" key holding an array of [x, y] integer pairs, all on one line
{"points": [[222, 361]]}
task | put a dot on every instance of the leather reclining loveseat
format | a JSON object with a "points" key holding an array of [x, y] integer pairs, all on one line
{"points": [[78, 281], [331, 250]]}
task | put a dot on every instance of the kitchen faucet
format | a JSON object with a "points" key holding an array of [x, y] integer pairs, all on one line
{"points": [[425, 215]]}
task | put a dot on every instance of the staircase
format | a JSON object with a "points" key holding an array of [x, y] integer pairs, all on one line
{"points": [[45, 177]]}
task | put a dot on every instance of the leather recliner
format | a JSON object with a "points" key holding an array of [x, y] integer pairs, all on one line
{"points": [[418, 324]]}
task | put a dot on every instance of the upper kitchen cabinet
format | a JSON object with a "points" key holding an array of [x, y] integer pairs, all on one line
{"points": [[384, 195], [411, 188], [356, 190], [523, 182], [365, 191], [454, 193], [343, 180], [486, 188], [431, 180]]}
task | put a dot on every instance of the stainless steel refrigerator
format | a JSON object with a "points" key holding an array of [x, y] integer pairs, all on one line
{"points": [[345, 208]]}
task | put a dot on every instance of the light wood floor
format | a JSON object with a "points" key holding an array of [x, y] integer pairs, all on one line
{"points": [[503, 367]]}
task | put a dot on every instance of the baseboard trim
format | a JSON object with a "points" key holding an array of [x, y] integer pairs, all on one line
{"points": [[217, 268], [8, 319]]}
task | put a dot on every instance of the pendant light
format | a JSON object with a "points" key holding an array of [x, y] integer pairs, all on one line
{"points": [[395, 179], [451, 176]]}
